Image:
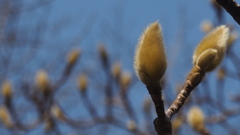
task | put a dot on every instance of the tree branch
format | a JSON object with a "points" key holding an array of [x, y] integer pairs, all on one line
{"points": [[232, 8]]}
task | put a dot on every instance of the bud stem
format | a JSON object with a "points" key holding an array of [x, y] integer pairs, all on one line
{"points": [[162, 123], [194, 78]]}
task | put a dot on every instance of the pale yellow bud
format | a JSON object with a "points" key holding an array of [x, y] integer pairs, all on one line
{"points": [[221, 73], [5, 117], [82, 82], [150, 59], [131, 125], [116, 70], [177, 123], [233, 37], [56, 112], [73, 56], [195, 118], [147, 105], [7, 89], [41, 80], [125, 79], [216, 40], [206, 26]]}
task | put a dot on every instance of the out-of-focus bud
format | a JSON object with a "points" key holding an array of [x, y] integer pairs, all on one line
{"points": [[103, 55], [125, 79], [206, 26], [48, 125], [72, 56], [147, 105], [41, 80], [116, 70], [150, 58], [195, 118], [177, 123], [232, 38], [131, 125], [82, 82], [215, 40], [5, 117], [221, 73], [56, 112], [7, 89]]}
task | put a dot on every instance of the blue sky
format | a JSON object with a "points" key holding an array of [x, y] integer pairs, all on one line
{"points": [[118, 25]]}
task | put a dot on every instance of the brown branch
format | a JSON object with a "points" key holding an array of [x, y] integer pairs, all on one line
{"points": [[193, 79], [232, 8], [162, 123]]}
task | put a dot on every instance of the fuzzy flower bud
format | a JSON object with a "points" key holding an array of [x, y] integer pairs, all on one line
{"points": [[195, 118], [125, 79], [56, 112], [73, 56], [7, 89], [213, 47], [82, 82], [150, 59], [41, 80], [116, 70], [5, 117], [206, 26], [131, 125]]}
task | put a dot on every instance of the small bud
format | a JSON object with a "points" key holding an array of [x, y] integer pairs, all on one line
{"points": [[131, 125], [5, 117], [195, 118], [116, 70], [233, 37], [150, 59], [147, 105], [82, 82], [7, 89], [48, 125], [221, 73], [125, 79], [56, 112], [177, 123], [73, 56], [103, 55], [41, 80], [206, 26], [216, 40]]}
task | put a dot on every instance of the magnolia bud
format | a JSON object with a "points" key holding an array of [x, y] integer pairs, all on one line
{"points": [[131, 125], [116, 70], [5, 117], [216, 40], [125, 79], [206, 26], [73, 56], [221, 73], [41, 80], [56, 112], [177, 123], [195, 118], [150, 59], [82, 82], [233, 37], [7, 89], [147, 105]]}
